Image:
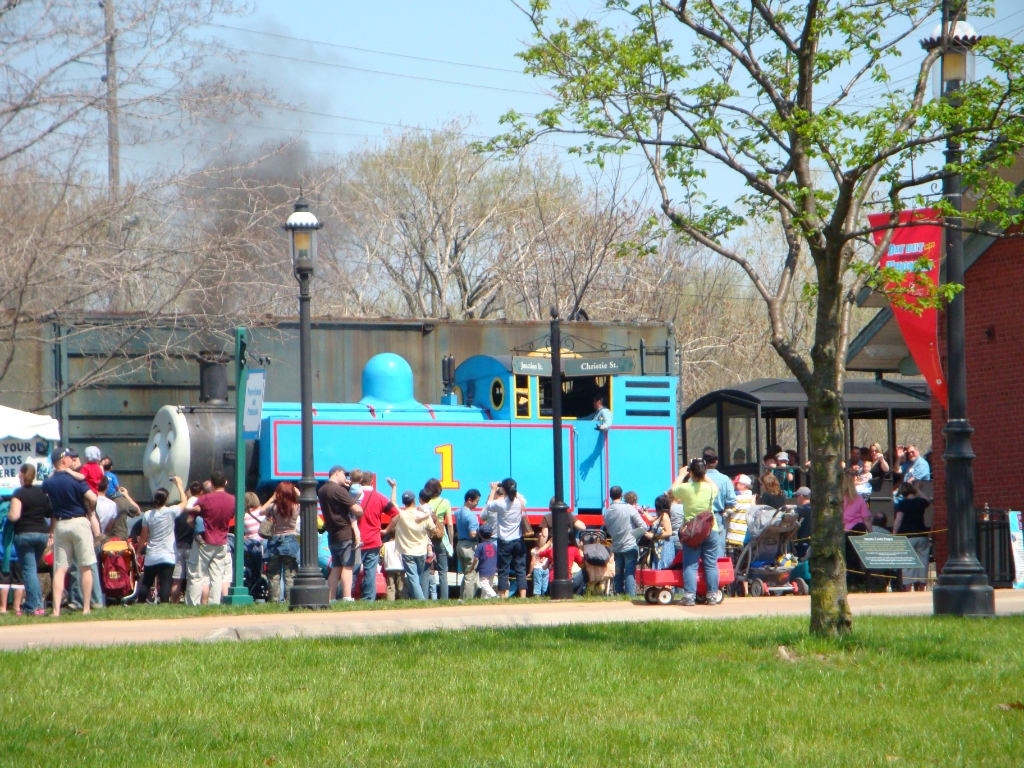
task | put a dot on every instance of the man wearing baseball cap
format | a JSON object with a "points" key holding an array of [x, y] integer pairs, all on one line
{"points": [[73, 527], [341, 515], [744, 496]]}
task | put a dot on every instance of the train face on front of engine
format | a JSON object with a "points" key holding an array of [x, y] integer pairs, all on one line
{"points": [[496, 424]]}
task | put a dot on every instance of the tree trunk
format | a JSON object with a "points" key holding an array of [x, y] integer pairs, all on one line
{"points": [[830, 609]]}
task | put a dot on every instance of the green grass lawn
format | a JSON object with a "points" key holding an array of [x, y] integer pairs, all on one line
{"points": [[181, 611], [898, 692]]}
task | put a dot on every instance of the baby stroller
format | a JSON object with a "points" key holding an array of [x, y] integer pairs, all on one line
{"points": [[119, 570], [597, 562], [765, 564]]}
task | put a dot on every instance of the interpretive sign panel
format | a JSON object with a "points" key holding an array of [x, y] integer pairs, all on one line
{"points": [[252, 417], [1017, 547], [884, 551]]}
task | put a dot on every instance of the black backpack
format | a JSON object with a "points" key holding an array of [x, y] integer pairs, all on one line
{"points": [[595, 553]]}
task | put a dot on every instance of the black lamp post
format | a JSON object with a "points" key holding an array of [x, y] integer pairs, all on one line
{"points": [[963, 587], [561, 586], [310, 588]]}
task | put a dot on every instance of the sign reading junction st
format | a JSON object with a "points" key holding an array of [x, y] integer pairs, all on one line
{"points": [[573, 366]]}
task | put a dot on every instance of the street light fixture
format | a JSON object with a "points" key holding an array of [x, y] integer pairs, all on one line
{"points": [[310, 588], [963, 587]]}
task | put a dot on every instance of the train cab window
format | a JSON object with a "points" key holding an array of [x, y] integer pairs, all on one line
{"points": [[522, 397], [578, 395]]}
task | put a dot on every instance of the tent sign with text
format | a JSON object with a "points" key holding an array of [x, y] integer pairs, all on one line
{"points": [[922, 238]]}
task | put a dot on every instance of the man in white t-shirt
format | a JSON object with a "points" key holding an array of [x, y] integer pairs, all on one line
{"points": [[106, 509]]}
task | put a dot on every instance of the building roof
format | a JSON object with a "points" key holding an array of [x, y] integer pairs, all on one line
{"points": [[909, 398]]}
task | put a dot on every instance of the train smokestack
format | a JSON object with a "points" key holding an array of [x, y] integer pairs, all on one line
{"points": [[213, 378]]}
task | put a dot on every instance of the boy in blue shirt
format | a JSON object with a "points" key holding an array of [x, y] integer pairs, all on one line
{"points": [[485, 560]]}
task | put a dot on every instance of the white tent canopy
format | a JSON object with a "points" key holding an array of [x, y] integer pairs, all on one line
{"points": [[22, 425]]}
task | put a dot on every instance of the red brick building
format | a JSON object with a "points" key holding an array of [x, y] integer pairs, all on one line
{"points": [[994, 310]]}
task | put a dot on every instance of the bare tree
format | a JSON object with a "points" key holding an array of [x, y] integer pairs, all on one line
{"points": [[426, 210], [70, 242]]}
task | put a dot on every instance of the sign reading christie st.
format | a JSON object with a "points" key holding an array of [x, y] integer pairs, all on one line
{"points": [[573, 366]]}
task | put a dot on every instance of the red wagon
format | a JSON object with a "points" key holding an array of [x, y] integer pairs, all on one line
{"points": [[658, 585]]}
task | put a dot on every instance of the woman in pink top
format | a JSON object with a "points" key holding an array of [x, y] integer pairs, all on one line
{"points": [[856, 515], [254, 554]]}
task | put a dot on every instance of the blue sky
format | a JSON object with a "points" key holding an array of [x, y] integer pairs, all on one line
{"points": [[354, 71]]}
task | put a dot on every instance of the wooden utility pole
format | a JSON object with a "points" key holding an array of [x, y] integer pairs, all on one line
{"points": [[113, 141]]}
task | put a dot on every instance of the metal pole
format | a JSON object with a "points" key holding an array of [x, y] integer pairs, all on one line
{"points": [[561, 587], [963, 587], [310, 588], [238, 594]]}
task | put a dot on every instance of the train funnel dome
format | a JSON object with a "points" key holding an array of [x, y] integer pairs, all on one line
{"points": [[387, 382]]}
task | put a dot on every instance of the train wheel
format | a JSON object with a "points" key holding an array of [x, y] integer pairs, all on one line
{"points": [[650, 595], [665, 596], [805, 588], [757, 588]]}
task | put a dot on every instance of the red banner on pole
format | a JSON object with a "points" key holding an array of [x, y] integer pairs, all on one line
{"points": [[910, 243]]}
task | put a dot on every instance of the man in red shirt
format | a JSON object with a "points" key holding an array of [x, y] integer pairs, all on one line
{"points": [[211, 560], [375, 507], [91, 469]]}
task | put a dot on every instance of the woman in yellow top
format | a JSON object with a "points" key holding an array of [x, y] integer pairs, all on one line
{"points": [[696, 493]]}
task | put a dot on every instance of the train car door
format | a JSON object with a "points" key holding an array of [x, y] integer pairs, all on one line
{"points": [[591, 459]]}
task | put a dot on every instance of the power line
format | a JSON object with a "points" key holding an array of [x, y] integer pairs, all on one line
{"points": [[383, 72], [368, 50], [313, 113]]}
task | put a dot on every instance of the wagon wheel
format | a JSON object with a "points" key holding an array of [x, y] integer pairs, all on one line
{"points": [[805, 589], [650, 595], [665, 596], [757, 588]]}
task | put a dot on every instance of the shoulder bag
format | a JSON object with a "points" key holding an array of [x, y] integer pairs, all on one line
{"points": [[438, 533], [268, 527], [698, 528]]}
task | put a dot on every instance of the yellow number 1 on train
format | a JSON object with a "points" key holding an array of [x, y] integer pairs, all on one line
{"points": [[448, 481]]}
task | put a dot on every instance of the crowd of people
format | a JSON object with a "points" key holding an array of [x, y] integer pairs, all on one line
{"points": [[187, 544]]}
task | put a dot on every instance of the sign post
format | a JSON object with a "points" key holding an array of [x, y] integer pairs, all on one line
{"points": [[238, 594]]}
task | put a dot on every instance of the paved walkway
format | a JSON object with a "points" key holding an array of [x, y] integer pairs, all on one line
{"points": [[450, 617]]}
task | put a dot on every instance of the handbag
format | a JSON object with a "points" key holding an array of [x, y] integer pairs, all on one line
{"points": [[698, 528], [268, 527]]}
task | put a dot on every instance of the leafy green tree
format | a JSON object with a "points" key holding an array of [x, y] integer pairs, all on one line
{"points": [[797, 101]]}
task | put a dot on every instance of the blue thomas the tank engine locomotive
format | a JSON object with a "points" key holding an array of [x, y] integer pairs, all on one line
{"points": [[496, 423]]}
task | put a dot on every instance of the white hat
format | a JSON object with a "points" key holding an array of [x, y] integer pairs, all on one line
{"points": [[92, 453], [744, 479], [782, 456]]}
